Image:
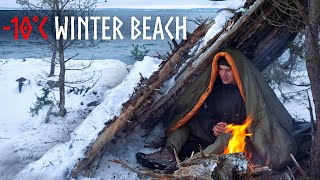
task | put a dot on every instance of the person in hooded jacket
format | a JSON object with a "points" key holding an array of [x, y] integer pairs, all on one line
{"points": [[232, 89]]}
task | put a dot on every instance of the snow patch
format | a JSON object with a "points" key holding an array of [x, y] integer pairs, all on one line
{"points": [[62, 157]]}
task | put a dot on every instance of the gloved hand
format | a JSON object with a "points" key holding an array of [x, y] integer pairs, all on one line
{"points": [[219, 128]]}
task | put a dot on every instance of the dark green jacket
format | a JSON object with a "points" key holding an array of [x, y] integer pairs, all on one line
{"points": [[272, 125]]}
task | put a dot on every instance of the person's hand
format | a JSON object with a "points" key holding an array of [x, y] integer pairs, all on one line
{"points": [[219, 128]]}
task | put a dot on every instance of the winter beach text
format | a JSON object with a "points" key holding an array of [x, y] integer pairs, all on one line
{"points": [[110, 28]]}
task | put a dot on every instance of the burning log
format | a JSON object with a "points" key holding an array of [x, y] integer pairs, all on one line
{"points": [[232, 166], [226, 167]]}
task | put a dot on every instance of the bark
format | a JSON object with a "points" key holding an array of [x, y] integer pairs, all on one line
{"points": [[61, 48], [54, 46], [62, 101], [53, 59], [313, 68]]}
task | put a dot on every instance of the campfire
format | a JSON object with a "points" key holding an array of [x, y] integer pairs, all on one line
{"points": [[233, 164], [237, 142]]}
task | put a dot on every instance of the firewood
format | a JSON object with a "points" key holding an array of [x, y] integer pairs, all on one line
{"points": [[257, 170], [226, 167]]}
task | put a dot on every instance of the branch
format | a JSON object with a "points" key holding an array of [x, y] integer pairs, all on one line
{"points": [[311, 117], [303, 14], [199, 21], [71, 58], [81, 81], [143, 173], [80, 69], [303, 173]]}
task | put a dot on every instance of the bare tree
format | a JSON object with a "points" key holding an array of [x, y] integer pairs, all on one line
{"points": [[313, 67], [44, 8], [311, 18], [60, 9]]}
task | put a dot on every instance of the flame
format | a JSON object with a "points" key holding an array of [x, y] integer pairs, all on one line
{"points": [[237, 142]]}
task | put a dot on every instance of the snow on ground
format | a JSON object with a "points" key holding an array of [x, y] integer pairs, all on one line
{"points": [[39, 150], [62, 157], [24, 138], [47, 150]]}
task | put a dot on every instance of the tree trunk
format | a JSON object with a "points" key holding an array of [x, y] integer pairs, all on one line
{"points": [[313, 68], [54, 48], [62, 111], [62, 102], [53, 59]]}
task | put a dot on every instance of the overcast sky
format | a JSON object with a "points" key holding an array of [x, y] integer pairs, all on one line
{"points": [[139, 4]]}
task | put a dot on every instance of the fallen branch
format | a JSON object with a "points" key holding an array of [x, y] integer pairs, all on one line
{"points": [[297, 165]]}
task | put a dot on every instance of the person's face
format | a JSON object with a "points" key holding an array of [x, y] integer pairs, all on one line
{"points": [[226, 74]]}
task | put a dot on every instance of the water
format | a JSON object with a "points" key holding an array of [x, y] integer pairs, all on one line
{"points": [[99, 50]]}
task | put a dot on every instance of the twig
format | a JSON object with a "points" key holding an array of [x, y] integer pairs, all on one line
{"points": [[55, 140], [176, 156], [199, 21], [192, 155], [292, 176], [4, 138], [201, 151], [302, 13], [287, 176], [171, 48], [45, 166], [71, 57], [81, 80], [297, 165], [142, 173], [83, 66], [141, 77], [175, 44], [311, 116]]}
